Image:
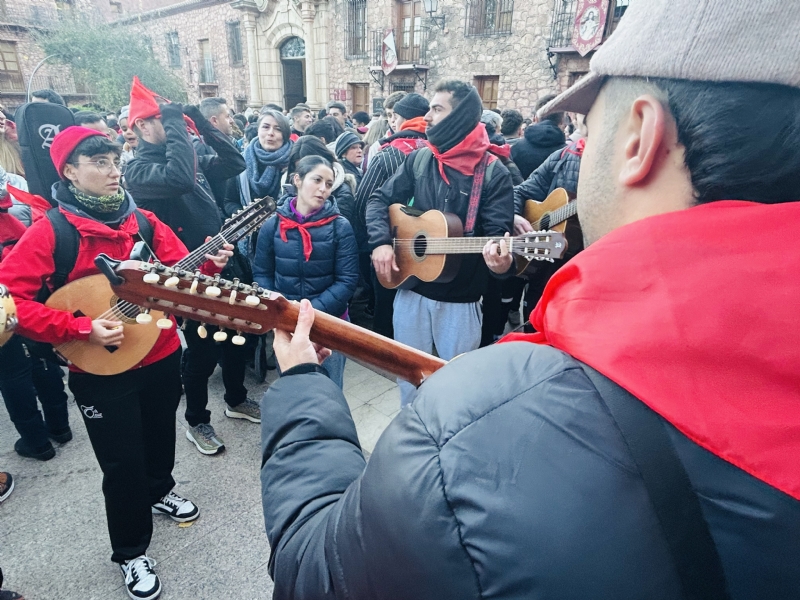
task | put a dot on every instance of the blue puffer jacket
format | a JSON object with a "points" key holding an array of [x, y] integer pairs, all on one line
{"points": [[328, 278]]}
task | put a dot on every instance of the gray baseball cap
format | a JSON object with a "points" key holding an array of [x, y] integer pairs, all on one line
{"points": [[696, 40]]}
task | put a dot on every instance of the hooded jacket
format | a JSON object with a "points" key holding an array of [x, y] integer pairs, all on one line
{"points": [[507, 478], [328, 278], [539, 141], [31, 264], [174, 183]]}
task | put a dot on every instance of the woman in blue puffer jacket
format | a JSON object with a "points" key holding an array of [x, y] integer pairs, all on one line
{"points": [[308, 249]]}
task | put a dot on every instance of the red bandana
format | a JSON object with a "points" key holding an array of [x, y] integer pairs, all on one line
{"points": [[695, 313], [286, 224], [464, 156]]}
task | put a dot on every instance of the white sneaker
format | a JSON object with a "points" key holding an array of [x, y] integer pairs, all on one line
{"points": [[141, 581], [179, 509]]}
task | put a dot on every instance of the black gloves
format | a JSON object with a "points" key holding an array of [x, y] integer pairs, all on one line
{"points": [[191, 111]]}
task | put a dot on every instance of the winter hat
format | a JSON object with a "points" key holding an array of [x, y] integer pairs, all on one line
{"points": [[65, 142], [124, 112], [345, 141], [143, 103], [411, 106]]}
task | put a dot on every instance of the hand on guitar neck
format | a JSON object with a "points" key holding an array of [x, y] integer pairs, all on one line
{"points": [[296, 349], [497, 256]]}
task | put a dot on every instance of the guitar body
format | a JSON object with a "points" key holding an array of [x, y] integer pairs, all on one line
{"points": [[537, 212], [412, 260], [92, 296], [8, 315]]}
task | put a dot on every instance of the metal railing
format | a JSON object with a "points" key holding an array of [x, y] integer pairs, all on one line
{"points": [[63, 84], [412, 47], [564, 12]]}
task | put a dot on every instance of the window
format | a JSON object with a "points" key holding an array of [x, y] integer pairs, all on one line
{"points": [[173, 50], [10, 74], [207, 74], [489, 17], [408, 34], [488, 88], [403, 86], [235, 44], [356, 28]]}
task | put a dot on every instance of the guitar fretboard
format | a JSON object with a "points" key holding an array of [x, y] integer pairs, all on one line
{"points": [[468, 245], [570, 209]]}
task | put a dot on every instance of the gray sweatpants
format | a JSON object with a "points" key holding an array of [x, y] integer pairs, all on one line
{"points": [[452, 327]]}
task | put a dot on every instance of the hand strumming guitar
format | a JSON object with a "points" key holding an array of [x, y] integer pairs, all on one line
{"points": [[106, 332], [497, 256], [296, 349], [383, 259]]}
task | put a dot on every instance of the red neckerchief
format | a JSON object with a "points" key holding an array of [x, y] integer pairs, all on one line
{"points": [[503, 151], [286, 224], [575, 148], [464, 156], [38, 205], [695, 313]]}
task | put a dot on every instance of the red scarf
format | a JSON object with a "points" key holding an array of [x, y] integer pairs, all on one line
{"points": [[286, 224], [695, 313], [464, 156]]}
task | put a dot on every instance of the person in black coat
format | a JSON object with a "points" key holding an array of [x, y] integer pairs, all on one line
{"points": [[539, 141], [308, 250]]}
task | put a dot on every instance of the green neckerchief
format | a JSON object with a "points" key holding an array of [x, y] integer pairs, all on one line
{"points": [[101, 204]]}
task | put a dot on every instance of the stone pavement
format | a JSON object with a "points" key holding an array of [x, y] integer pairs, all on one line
{"points": [[53, 537]]}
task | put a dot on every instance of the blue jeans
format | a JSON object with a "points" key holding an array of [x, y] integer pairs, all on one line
{"points": [[22, 378]]}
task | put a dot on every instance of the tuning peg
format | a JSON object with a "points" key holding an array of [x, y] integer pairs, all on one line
{"points": [[213, 289], [165, 323], [232, 298], [252, 300], [151, 277], [220, 336], [144, 317], [202, 332], [238, 339], [172, 282]]}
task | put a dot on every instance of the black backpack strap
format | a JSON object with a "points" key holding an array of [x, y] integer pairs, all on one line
{"points": [[676, 504], [65, 252], [145, 228]]}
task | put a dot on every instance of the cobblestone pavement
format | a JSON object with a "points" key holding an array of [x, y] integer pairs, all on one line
{"points": [[53, 537]]}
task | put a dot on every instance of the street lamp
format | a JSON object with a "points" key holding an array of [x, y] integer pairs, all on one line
{"points": [[431, 6], [36, 68]]}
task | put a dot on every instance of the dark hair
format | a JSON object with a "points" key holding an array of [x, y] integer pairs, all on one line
{"points": [[211, 107], [512, 121], [250, 132], [304, 147], [280, 119], [298, 110], [112, 123], [322, 114], [308, 164], [459, 89], [241, 121], [83, 117], [338, 105], [322, 129], [361, 117], [337, 127], [50, 96], [393, 99], [252, 118], [734, 158], [271, 106], [556, 118], [92, 146]]}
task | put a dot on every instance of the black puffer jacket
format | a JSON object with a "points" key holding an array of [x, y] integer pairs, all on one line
{"points": [[506, 478], [430, 192], [173, 182], [560, 170], [330, 276], [539, 142]]}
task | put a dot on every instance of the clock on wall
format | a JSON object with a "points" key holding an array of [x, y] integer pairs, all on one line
{"points": [[590, 23]]}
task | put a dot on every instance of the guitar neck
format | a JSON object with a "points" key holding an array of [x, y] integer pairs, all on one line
{"points": [[467, 245], [561, 214]]}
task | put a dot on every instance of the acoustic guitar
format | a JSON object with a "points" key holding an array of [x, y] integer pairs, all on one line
{"points": [[93, 297], [428, 246], [239, 308], [8, 315], [552, 214]]}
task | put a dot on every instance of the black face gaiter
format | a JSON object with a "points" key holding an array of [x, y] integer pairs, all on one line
{"points": [[458, 124]]}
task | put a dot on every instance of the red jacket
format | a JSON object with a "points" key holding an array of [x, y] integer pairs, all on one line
{"points": [[11, 229], [31, 263]]}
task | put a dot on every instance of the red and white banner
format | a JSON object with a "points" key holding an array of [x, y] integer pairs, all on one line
{"points": [[590, 23], [389, 52]]}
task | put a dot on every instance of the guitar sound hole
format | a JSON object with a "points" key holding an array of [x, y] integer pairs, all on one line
{"points": [[420, 246], [125, 311]]}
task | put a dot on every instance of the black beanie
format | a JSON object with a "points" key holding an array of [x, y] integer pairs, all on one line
{"points": [[411, 106]]}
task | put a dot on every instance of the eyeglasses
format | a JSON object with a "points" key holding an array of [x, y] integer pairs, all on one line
{"points": [[104, 166]]}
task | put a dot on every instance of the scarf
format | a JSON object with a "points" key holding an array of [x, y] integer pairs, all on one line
{"points": [[695, 313], [264, 167], [417, 124], [100, 204], [464, 156], [458, 124], [286, 224]]}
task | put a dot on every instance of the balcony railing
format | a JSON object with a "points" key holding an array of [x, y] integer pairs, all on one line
{"points": [[207, 74], [412, 47], [11, 81], [564, 12]]}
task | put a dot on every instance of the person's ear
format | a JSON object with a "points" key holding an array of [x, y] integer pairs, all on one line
{"points": [[70, 172], [296, 181], [642, 138]]}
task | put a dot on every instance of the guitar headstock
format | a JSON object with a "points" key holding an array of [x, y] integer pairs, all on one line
{"points": [[243, 222], [540, 245], [229, 304]]}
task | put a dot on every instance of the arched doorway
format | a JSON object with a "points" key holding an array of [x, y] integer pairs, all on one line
{"points": [[293, 61]]}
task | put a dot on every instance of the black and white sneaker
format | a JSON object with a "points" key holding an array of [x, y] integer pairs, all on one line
{"points": [[177, 508], [141, 581]]}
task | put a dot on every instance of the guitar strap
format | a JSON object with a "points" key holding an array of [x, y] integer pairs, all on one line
{"points": [[475, 195]]}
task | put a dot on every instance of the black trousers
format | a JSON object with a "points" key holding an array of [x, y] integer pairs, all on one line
{"points": [[382, 323], [130, 418], [500, 297], [202, 356]]}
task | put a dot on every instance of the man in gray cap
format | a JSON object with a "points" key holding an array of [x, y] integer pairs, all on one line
{"points": [[669, 470]]}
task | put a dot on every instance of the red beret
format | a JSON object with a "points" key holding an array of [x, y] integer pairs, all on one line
{"points": [[65, 142]]}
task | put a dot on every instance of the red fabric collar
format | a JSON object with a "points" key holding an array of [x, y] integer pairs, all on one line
{"points": [[286, 224], [464, 156], [417, 124], [694, 313], [503, 151]]}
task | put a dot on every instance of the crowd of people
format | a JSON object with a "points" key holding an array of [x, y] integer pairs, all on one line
{"points": [[482, 484]]}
